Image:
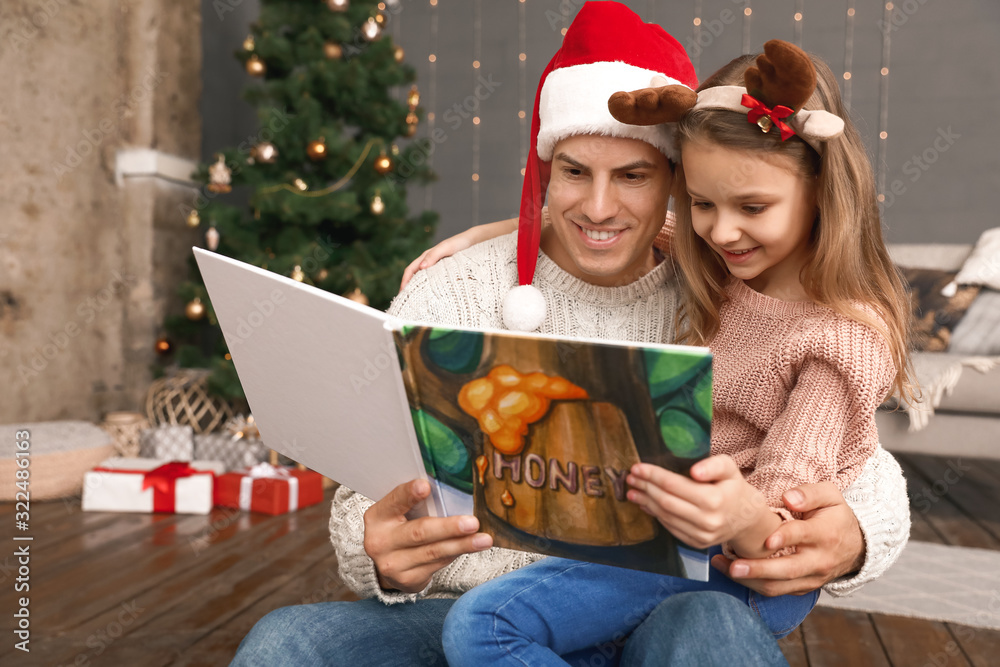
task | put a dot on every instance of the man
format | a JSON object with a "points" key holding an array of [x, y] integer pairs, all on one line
{"points": [[597, 275]]}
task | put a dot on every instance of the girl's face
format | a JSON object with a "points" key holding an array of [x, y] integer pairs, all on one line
{"points": [[755, 211]]}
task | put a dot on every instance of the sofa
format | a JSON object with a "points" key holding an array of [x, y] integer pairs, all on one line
{"points": [[959, 411]]}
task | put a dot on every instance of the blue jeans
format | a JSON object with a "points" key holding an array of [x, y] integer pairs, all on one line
{"points": [[555, 607], [371, 633]]}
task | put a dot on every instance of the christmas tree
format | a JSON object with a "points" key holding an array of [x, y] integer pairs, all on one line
{"points": [[325, 177]]}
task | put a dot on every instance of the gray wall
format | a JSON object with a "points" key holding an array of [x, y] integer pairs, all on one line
{"points": [[938, 163]]}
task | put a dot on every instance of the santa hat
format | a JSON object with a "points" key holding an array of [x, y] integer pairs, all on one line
{"points": [[607, 49]]}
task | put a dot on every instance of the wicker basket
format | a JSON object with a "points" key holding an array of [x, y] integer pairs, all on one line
{"points": [[183, 398]]}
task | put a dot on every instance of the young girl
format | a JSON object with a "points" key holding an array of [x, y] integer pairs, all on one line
{"points": [[789, 282]]}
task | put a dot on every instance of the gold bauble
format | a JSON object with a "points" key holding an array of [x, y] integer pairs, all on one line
{"points": [[399, 54], [413, 98], [412, 118], [371, 30], [383, 164], [195, 310], [358, 296], [378, 206], [394, 149], [193, 219], [332, 50], [338, 5], [264, 152], [248, 43], [380, 19], [163, 346], [297, 273], [300, 184], [322, 275], [255, 66], [317, 149]]}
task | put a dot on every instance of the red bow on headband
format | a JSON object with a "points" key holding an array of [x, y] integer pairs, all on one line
{"points": [[764, 117]]}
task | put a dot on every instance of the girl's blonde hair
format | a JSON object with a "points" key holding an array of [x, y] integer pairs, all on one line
{"points": [[848, 267]]}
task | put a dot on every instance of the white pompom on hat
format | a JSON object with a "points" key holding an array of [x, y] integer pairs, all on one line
{"points": [[607, 49]]}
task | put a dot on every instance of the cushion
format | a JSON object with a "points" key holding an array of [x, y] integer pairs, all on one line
{"points": [[979, 331], [935, 315], [983, 265]]}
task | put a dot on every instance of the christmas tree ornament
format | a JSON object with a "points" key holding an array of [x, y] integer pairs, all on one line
{"points": [[195, 309], [383, 164], [297, 273], [399, 54], [255, 66], [411, 124], [163, 346], [193, 219], [264, 152], [394, 150], [378, 206], [248, 43], [338, 5], [212, 239], [300, 184], [358, 296], [220, 176], [322, 275], [317, 149], [380, 18], [332, 50], [371, 30], [413, 98]]}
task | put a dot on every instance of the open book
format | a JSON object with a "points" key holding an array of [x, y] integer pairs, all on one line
{"points": [[533, 434]]}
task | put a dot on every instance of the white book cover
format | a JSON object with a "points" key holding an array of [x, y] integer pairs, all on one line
{"points": [[532, 434]]}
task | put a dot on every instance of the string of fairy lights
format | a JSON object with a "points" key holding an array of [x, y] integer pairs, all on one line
{"points": [[883, 104], [698, 39], [477, 52], [432, 85], [848, 54]]}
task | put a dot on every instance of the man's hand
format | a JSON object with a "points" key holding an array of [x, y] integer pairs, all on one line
{"points": [[408, 553], [828, 539]]}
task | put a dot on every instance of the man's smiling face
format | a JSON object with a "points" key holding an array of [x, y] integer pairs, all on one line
{"points": [[607, 201]]}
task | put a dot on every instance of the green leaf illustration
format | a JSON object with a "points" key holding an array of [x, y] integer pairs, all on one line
{"points": [[683, 434], [455, 351], [668, 372], [445, 457]]}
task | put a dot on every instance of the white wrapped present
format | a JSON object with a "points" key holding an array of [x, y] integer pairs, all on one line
{"points": [[150, 485]]}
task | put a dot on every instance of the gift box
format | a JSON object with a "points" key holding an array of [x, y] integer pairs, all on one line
{"points": [[235, 453], [167, 443], [150, 485], [269, 489]]}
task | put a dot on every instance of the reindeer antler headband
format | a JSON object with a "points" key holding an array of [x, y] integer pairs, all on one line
{"points": [[775, 91]]}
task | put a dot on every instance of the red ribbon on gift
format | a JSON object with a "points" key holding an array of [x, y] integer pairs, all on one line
{"points": [[760, 110], [163, 480]]}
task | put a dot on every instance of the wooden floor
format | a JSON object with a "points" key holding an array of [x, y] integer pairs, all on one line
{"points": [[137, 589]]}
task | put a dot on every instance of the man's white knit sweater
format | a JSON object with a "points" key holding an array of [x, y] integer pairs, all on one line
{"points": [[467, 290]]}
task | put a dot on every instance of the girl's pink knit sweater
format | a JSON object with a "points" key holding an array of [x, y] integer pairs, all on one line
{"points": [[796, 386]]}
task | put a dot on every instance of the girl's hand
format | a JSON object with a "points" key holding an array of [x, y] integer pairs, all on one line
{"points": [[715, 505], [457, 243]]}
